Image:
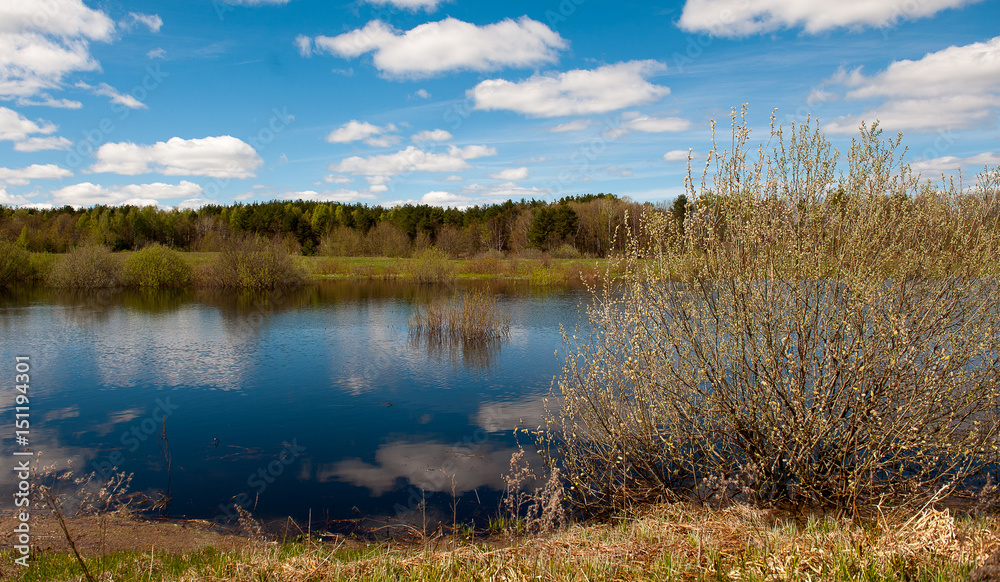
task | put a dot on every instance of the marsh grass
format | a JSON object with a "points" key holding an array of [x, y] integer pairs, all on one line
{"points": [[472, 317], [253, 262], [87, 267], [156, 266]]}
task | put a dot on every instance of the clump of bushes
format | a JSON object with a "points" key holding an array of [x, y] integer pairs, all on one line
{"points": [[89, 266], [15, 265], [429, 265], [253, 262], [836, 342], [156, 266]]}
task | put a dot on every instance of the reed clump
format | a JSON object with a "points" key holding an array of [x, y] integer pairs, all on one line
{"points": [[473, 317], [253, 262], [156, 266], [89, 266], [806, 337]]}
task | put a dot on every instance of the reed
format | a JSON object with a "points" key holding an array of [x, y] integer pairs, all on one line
{"points": [[474, 317]]}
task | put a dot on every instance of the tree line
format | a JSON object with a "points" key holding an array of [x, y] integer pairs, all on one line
{"points": [[590, 224]]}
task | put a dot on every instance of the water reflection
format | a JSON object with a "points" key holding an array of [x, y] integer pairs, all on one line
{"points": [[330, 367]]}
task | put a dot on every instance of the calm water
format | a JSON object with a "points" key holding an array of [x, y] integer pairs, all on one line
{"points": [[285, 402]]}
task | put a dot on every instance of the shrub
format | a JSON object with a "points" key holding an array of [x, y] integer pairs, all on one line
{"points": [[253, 262], [156, 266], [87, 267], [429, 266], [15, 265], [837, 344], [566, 251]]}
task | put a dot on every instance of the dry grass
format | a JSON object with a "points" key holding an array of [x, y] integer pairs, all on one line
{"points": [[661, 542], [473, 317]]}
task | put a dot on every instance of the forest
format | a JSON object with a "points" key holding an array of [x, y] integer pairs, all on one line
{"points": [[585, 225]]}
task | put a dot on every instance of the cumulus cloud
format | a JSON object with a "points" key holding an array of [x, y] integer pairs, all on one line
{"points": [[448, 45], [431, 135], [157, 53], [371, 134], [947, 163], [35, 144], [22, 176], [45, 100], [12, 200], [423, 94], [509, 190], [954, 88], [218, 157], [510, 174], [413, 159], [89, 194], [733, 18], [42, 42], [16, 127], [110, 92], [577, 92], [649, 124]]}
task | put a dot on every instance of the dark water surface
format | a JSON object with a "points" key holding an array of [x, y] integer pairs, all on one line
{"points": [[316, 399]]}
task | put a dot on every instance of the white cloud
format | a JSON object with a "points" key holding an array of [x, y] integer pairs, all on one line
{"points": [[423, 94], [413, 5], [304, 44], [89, 194], [448, 45], [42, 42], [577, 92], [335, 179], [946, 163], [23, 176], [954, 88], [157, 53], [657, 124], [151, 21], [575, 125], [45, 100], [218, 157], [510, 174], [106, 90], [431, 135], [676, 156], [16, 127], [35, 144], [413, 159], [734, 18], [12, 200], [444, 199], [372, 135], [508, 190]]}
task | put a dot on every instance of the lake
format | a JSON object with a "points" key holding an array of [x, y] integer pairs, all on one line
{"points": [[308, 402]]}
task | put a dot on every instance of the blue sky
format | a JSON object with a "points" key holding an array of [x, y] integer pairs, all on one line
{"points": [[456, 103]]}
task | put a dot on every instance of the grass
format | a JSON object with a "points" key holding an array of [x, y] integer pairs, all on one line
{"points": [[661, 542], [474, 317]]}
